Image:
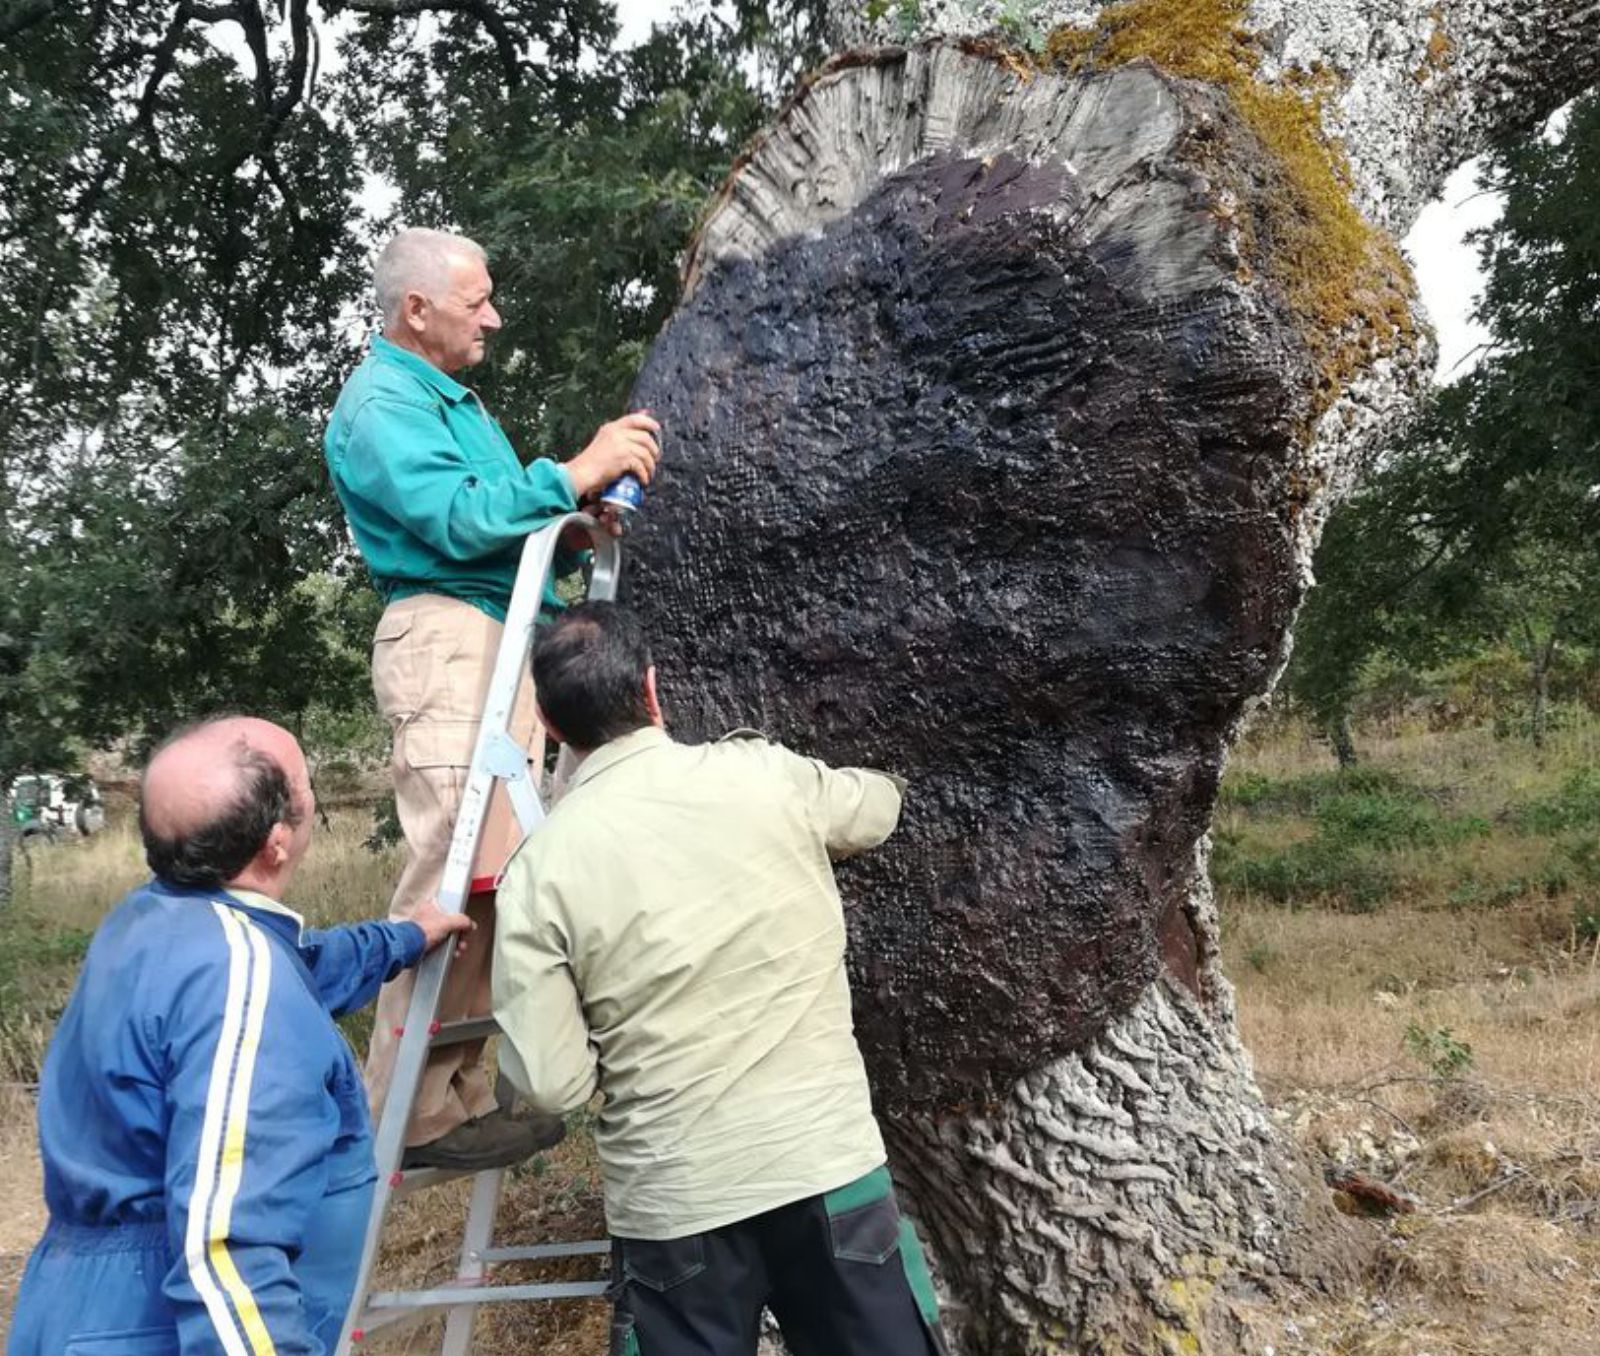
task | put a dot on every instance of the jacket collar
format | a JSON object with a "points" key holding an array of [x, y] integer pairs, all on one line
{"points": [[276, 909], [618, 751], [418, 366], [272, 914]]}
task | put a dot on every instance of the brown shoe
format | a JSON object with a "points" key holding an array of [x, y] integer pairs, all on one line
{"points": [[492, 1141], [550, 1129]]}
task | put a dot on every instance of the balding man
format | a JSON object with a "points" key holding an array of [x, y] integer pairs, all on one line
{"points": [[207, 1152], [439, 505]]}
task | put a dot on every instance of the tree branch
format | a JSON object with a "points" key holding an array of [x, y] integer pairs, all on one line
{"points": [[143, 120], [216, 14], [481, 10]]}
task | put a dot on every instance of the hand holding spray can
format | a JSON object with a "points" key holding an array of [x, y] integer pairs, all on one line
{"points": [[626, 494]]}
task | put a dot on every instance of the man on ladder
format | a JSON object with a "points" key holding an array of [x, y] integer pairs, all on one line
{"points": [[439, 506]]}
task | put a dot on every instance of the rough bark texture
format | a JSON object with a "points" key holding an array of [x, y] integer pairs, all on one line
{"points": [[1422, 85], [998, 448]]}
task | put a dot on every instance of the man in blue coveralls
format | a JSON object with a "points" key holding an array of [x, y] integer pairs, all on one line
{"points": [[440, 504], [207, 1149]]}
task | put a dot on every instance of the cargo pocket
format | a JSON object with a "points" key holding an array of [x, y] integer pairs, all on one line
{"points": [[866, 1226], [661, 1264], [394, 681], [129, 1342], [863, 1219], [422, 744]]}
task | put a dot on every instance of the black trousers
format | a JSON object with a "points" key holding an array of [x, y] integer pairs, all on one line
{"points": [[843, 1273]]}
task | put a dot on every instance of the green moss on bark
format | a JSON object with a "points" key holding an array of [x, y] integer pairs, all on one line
{"points": [[1343, 278]]}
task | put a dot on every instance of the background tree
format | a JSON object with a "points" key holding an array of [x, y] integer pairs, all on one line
{"points": [[1480, 526], [184, 247]]}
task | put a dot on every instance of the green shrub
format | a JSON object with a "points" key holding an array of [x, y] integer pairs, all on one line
{"points": [[1382, 819], [1261, 957], [1438, 1049], [38, 966], [1474, 894], [1247, 790], [1575, 806], [1305, 794], [1313, 869]]}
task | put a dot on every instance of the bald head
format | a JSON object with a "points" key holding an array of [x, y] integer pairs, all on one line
{"points": [[222, 801]]}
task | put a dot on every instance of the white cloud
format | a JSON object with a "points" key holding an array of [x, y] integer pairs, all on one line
{"points": [[1447, 267]]}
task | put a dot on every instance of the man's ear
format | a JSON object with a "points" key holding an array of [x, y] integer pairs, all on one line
{"points": [[414, 312], [549, 729], [652, 703], [275, 851]]}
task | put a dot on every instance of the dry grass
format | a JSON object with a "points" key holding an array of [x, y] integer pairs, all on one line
{"points": [[1502, 1154], [1502, 1258]]}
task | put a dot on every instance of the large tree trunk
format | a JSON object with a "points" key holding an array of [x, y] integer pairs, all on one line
{"points": [[1003, 408]]}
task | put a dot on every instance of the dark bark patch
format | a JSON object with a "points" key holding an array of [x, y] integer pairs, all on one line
{"points": [[984, 479]]}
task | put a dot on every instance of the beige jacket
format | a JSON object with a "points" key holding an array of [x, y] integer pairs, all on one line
{"points": [[672, 936]]}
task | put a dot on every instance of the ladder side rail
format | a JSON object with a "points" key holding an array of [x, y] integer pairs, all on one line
{"points": [[474, 1267]]}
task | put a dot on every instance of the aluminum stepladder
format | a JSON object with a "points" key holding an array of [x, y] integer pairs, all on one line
{"points": [[497, 758]]}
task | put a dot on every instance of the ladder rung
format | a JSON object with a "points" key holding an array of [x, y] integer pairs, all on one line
{"points": [[453, 1296], [408, 1180], [390, 1321], [589, 1247], [467, 1029]]}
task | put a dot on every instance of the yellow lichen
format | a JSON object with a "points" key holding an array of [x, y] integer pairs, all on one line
{"points": [[1440, 48], [1343, 279]]}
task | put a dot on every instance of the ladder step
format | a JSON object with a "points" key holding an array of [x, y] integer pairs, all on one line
{"points": [[408, 1180], [454, 1296], [588, 1248], [467, 1029]]}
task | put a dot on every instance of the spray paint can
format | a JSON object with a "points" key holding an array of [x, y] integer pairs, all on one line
{"points": [[625, 494]]}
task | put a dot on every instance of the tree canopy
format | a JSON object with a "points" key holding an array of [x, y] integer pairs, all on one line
{"points": [[185, 224], [1480, 525]]}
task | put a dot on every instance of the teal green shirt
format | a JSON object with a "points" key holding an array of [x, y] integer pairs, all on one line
{"points": [[436, 498]]}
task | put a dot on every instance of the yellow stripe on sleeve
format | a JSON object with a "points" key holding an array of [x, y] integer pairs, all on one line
{"points": [[233, 1141], [211, 1128]]}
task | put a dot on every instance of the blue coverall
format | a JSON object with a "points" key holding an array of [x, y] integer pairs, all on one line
{"points": [[207, 1149]]}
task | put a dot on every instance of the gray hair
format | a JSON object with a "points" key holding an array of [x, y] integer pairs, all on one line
{"points": [[417, 260]]}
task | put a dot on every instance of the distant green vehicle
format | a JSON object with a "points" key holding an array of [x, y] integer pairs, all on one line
{"points": [[43, 805]]}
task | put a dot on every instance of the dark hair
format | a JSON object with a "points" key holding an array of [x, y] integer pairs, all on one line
{"points": [[211, 854], [589, 667]]}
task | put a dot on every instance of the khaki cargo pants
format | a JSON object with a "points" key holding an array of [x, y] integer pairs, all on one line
{"points": [[432, 658]]}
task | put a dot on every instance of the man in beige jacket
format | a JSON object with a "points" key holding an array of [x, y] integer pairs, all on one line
{"points": [[672, 937]]}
